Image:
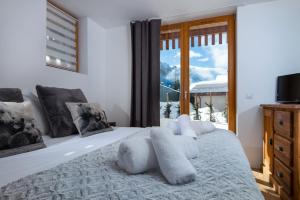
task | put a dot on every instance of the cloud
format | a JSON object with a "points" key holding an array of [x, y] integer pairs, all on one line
{"points": [[220, 55], [193, 54], [204, 59], [177, 54], [198, 73]]}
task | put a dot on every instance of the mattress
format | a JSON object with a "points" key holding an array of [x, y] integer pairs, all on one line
{"points": [[59, 150], [223, 172]]}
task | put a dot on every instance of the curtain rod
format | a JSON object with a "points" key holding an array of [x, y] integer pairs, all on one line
{"points": [[133, 21]]}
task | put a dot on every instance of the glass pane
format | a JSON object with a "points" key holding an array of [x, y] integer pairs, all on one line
{"points": [[209, 75], [170, 76]]}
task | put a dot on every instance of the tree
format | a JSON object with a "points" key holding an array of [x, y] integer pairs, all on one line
{"points": [[178, 110], [167, 111], [196, 108], [211, 112], [225, 112], [176, 85]]}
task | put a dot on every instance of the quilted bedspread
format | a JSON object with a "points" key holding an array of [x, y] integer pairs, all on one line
{"points": [[223, 173]]}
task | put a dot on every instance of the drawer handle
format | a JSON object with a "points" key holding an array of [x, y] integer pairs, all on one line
{"points": [[281, 122], [271, 141], [279, 174], [280, 148]]}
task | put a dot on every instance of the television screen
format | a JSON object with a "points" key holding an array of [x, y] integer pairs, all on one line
{"points": [[288, 88]]}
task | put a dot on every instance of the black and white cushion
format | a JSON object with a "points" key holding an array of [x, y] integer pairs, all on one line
{"points": [[89, 118], [18, 132]]}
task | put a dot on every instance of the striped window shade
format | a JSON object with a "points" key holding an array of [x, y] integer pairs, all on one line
{"points": [[62, 39]]}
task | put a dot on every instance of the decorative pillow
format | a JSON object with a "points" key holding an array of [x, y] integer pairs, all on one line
{"points": [[53, 101], [38, 112], [89, 118], [18, 133], [11, 95]]}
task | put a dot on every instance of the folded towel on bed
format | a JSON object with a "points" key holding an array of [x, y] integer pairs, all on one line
{"points": [[138, 155], [201, 127], [174, 126], [173, 164], [186, 128]]}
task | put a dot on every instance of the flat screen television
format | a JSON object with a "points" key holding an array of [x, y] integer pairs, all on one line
{"points": [[288, 88]]}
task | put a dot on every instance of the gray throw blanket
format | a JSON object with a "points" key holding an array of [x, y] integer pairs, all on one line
{"points": [[223, 173]]}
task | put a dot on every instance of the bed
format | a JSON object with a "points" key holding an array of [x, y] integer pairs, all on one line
{"points": [[223, 171]]}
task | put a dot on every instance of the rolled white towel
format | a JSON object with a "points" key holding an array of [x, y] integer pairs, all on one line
{"points": [[174, 126], [187, 145], [137, 155], [186, 128], [201, 127], [173, 164]]}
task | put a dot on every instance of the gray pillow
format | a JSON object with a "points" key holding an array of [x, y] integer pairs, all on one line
{"points": [[18, 133], [53, 101], [11, 95], [89, 118]]}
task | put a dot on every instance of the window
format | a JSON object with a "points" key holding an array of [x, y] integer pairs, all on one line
{"points": [[197, 70], [62, 39]]}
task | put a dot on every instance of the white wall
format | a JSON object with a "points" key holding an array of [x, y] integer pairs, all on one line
{"points": [[96, 62], [23, 47], [268, 45], [119, 74]]}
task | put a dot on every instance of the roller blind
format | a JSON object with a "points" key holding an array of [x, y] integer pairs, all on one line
{"points": [[62, 39]]}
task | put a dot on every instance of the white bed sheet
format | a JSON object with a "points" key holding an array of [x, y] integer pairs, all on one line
{"points": [[58, 150]]}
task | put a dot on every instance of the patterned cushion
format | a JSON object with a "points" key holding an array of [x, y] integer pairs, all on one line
{"points": [[11, 95], [53, 101], [89, 118], [18, 133]]}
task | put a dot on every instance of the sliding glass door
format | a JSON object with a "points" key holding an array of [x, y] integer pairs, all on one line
{"points": [[170, 74], [198, 70], [208, 66]]}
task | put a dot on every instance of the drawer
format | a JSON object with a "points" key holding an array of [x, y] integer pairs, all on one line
{"points": [[283, 123], [283, 175], [283, 149]]}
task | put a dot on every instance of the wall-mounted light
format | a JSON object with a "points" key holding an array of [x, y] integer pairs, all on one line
{"points": [[58, 61], [48, 59]]}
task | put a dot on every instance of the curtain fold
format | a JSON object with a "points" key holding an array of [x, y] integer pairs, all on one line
{"points": [[145, 39]]}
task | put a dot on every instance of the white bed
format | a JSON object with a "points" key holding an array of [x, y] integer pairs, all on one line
{"points": [[58, 150], [223, 171]]}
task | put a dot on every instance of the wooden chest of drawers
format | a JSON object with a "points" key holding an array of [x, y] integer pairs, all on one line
{"points": [[281, 148]]}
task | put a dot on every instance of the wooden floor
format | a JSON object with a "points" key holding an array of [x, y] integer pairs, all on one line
{"points": [[267, 190]]}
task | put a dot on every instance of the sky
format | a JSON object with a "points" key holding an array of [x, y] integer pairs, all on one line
{"points": [[207, 63]]}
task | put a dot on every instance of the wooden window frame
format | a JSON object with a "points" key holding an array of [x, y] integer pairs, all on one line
{"points": [[76, 36], [184, 28]]}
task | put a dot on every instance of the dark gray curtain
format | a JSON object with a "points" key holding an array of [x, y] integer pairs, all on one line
{"points": [[145, 37]]}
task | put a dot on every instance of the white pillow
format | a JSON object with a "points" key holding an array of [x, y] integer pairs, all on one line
{"points": [[201, 127], [186, 128], [39, 114]]}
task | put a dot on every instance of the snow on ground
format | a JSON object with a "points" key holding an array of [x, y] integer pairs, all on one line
{"points": [[221, 121]]}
